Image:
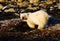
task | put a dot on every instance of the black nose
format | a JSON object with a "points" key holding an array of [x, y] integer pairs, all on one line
{"points": [[23, 18]]}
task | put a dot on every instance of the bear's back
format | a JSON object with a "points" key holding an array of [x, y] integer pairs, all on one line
{"points": [[39, 16]]}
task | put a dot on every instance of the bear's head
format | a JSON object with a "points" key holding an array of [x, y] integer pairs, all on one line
{"points": [[24, 16]]}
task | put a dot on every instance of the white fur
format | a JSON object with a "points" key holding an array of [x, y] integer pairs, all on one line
{"points": [[23, 15], [39, 18]]}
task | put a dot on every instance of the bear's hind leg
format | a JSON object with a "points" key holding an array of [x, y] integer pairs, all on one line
{"points": [[41, 26]]}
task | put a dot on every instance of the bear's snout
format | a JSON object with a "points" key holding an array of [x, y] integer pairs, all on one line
{"points": [[24, 18]]}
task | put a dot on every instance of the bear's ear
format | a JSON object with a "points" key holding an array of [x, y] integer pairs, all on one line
{"points": [[27, 15]]}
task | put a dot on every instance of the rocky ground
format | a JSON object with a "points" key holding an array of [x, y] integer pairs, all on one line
{"points": [[15, 30]]}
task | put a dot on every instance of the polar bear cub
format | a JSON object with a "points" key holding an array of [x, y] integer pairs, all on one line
{"points": [[39, 18]]}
